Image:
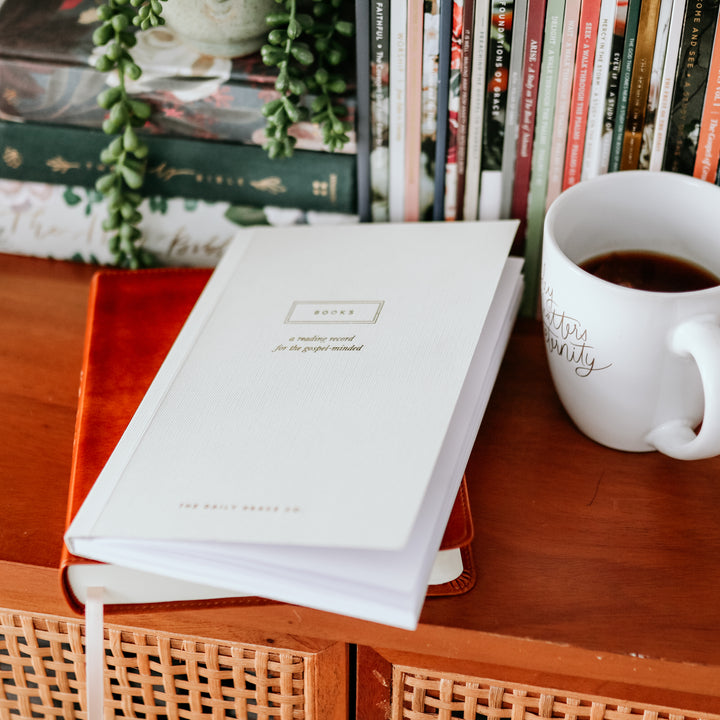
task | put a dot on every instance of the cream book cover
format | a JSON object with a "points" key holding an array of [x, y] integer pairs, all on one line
{"points": [[306, 436]]}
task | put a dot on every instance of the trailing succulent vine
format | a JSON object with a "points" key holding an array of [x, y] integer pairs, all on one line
{"points": [[304, 42], [126, 154]]}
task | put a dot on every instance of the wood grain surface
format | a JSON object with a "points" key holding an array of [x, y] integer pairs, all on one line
{"points": [[593, 565]]}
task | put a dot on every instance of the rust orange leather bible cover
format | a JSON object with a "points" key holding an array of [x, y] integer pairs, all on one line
{"points": [[133, 319]]}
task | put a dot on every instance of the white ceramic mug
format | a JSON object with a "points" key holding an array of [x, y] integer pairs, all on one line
{"points": [[636, 370]]}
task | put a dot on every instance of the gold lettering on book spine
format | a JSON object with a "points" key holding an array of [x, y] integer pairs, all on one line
{"points": [[12, 157], [166, 173], [273, 185], [326, 188], [60, 165]]}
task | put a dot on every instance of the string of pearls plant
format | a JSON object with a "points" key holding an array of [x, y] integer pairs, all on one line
{"points": [[126, 154], [304, 43], [307, 48]]}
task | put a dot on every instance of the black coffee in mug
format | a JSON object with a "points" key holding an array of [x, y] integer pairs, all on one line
{"points": [[650, 271]]}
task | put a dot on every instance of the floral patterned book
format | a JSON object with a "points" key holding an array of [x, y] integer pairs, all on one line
{"points": [[64, 222], [430, 100], [47, 75], [455, 143]]}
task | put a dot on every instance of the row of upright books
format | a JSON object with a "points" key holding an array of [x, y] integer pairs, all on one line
{"points": [[490, 108], [464, 109]]}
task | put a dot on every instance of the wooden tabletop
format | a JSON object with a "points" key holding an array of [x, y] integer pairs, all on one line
{"points": [[593, 565]]}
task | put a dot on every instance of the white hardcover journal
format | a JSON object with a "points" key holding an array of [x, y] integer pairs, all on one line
{"points": [[306, 436]]}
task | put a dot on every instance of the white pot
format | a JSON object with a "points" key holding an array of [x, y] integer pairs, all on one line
{"points": [[223, 28]]}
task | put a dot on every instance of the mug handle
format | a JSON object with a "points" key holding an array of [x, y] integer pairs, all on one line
{"points": [[698, 338]]}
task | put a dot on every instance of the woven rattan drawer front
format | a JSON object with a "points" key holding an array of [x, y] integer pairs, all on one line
{"points": [[42, 675], [421, 695]]}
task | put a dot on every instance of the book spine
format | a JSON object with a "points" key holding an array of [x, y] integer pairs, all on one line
{"points": [[379, 110], [179, 167], [441, 140], [617, 46], [640, 84], [429, 120], [512, 113], [398, 78], [656, 70], [558, 143], [413, 109], [476, 110], [598, 91], [690, 81], [527, 111], [450, 210], [547, 92], [706, 160], [618, 134], [498, 79], [363, 122], [587, 40], [667, 86], [463, 111]]}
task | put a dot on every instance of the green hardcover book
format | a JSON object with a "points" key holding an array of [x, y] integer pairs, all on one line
{"points": [[544, 119], [623, 96], [182, 167]]}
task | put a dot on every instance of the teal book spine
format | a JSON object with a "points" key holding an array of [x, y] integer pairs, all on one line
{"points": [[623, 97], [181, 167], [544, 120]]}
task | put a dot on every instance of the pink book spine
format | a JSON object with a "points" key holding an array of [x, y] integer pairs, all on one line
{"points": [[456, 61], [528, 106], [463, 112], [558, 145], [587, 39]]}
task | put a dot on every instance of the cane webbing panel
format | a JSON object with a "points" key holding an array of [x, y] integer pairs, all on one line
{"points": [[42, 675], [420, 695]]}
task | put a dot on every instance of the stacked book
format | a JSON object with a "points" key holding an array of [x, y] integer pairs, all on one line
{"points": [[294, 427], [490, 108]]}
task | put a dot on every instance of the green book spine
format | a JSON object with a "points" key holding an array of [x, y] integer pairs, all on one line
{"points": [[544, 119], [181, 167], [623, 97]]}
